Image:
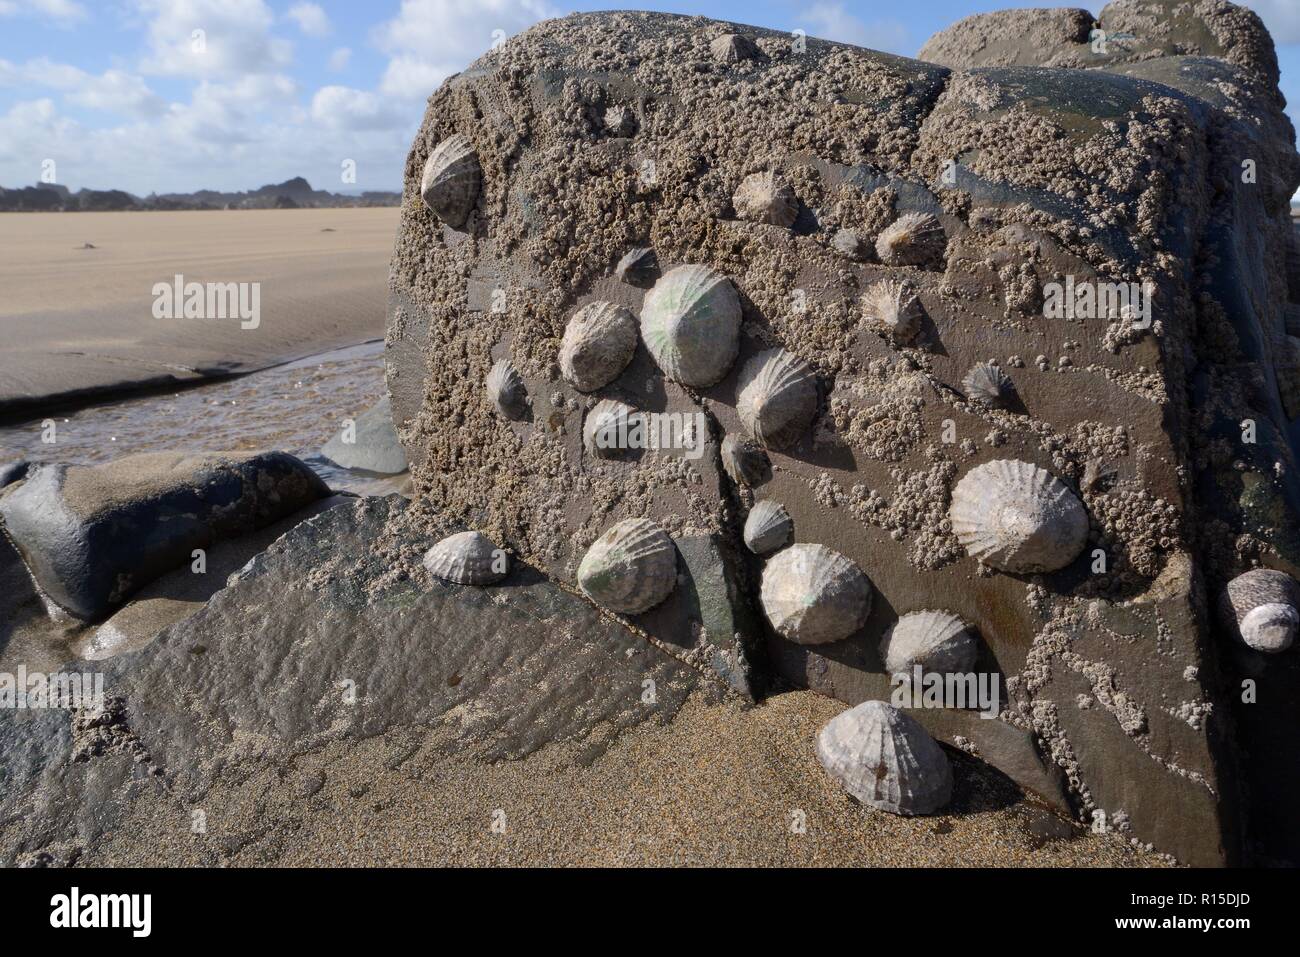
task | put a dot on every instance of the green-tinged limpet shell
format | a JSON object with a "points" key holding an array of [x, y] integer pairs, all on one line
{"points": [[598, 344], [777, 398], [452, 180], [914, 239], [690, 322], [467, 558], [631, 568], [814, 595], [768, 527]]}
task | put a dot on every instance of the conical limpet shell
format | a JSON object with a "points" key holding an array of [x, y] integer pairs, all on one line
{"points": [[451, 180], [884, 758], [639, 267], [467, 558], [938, 641], [988, 385], [915, 239], [745, 462], [813, 595], [777, 398], [620, 121], [631, 568], [690, 322], [768, 527], [505, 389], [763, 198], [598, 344], [1261, 607], [1017, 517], [848, 243], [893, 307], [733, 47], [606, 429]]}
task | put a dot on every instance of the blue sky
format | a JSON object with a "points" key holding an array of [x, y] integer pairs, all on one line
{"points": [[125, 94]]}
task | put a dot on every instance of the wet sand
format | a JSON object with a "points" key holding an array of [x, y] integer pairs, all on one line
{"points": [[79, 322]]}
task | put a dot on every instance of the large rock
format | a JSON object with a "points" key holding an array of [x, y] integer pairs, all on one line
{"points": [[1038, 171], [92, 535]]}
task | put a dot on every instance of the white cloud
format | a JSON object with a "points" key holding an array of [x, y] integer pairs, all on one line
{"points": [[63, 12], [311, 19], [212, 38], [429, 40], [113, 91], [1282, 17], [339, 59], [344, 108], [833, 21]]}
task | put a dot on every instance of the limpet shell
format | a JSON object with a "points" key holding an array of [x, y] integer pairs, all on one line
{"points": [[639, 267], [690, 322], [505, 389], [467, 558], [745, 462], [1261, 608], [893, 307], [914, 239], [763, 198], [733, 47], [884, 758], [988, 385], [631, 568], [768, 527], [1016, 517], [598, 344], [777, 398], [849, 243], [620, 121], [606, 428], [451, 180], [814, 595], [938, 641]]}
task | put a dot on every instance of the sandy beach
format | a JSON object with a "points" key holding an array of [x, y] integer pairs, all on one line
{"points": [[322, 276]]}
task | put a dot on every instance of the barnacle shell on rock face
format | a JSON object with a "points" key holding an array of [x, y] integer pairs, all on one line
{"points": [[598, 344], [467, 558], [606, 428], [451, 180], [914, 239], [762, 198], [894, 308], [1262, 608], [777, 398], [987, 384], [1017, 517], [813, 595], [767, 527], [690, 322], [745, 462], [639, 267], [631, 568], [884, 758], [938, 641], [732, 47], [505, 389]]}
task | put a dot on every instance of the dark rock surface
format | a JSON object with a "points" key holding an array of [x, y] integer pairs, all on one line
{"points": [[375, 446]]}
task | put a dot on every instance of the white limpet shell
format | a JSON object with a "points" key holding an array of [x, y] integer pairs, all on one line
{"points": [[451, 180], [938, 641], [914, 239], [598, 344], [763, 198], [745, 462], [733, 47], [606, 428], [884, 758], [768, 527], [777, 398], [1261, 607], [620, 121], [467, 558], [987, 384], [505, 389], [1016, 517], [814, 595], [631, 568], [893, 307], [690, 322]]}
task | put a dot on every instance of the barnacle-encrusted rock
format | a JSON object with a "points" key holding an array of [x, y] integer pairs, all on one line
{"points": [[778, 398], [745, 462], [1286, 366], [638, 267], [1262, 608], [938, 641], [914, 239], [452, 180], [690, 322], [467, 558], [733, 47], [813, 595], [505, 389], [893, 307], [884, 758], [1016, 517], [768, 527], [987, 384], [763, 198], [607, 428], [598, 344], [631, 568]]}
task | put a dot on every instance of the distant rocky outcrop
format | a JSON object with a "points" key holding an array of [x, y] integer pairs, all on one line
{"points": [[294, 193]]}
